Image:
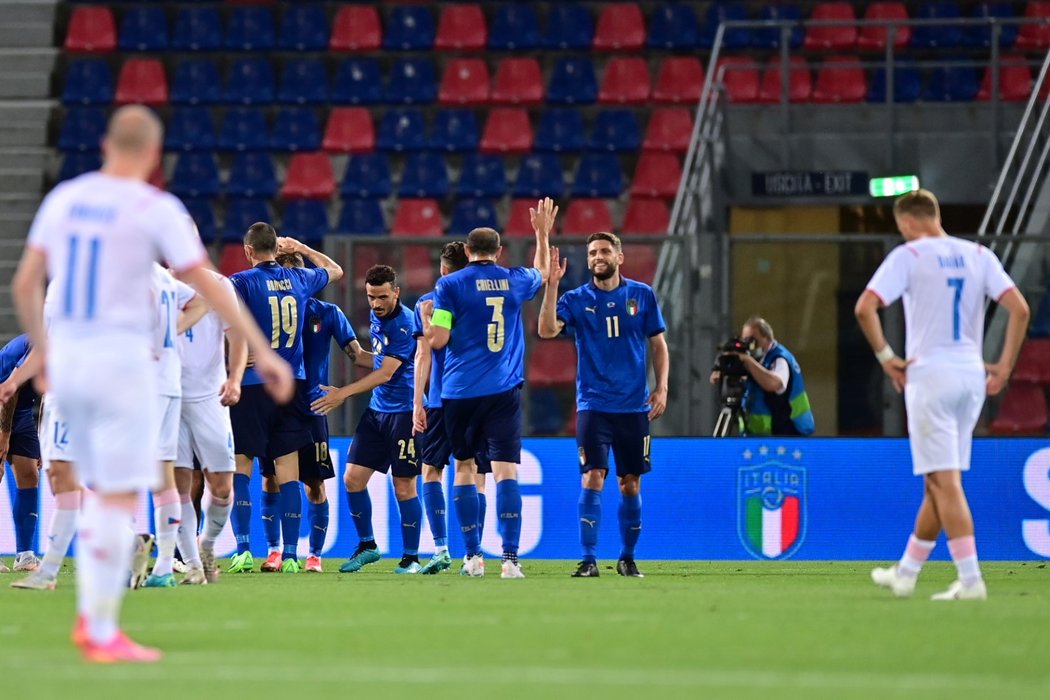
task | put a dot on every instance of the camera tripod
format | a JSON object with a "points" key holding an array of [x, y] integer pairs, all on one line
{"points": [[728, 422], [732, 412]]}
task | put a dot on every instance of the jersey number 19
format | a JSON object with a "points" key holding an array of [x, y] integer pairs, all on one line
{"points": [[284, 316]]}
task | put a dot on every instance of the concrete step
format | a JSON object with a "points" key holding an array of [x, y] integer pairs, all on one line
{"points": [[30, 157], [27, 180], [25, 123], [18, 206], [27, 72]]}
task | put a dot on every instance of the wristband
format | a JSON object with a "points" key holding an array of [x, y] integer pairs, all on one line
{"points": [[885, 354]]}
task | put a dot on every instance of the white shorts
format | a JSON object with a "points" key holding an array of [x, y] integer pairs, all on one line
{"points": [[55, 445], [205, 432], [169, 409], [944, 403]]}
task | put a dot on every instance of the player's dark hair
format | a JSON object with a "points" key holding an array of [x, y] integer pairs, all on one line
{"points": [[293, 259], [921, 204], [454, 255], [262, 237], [483, 241], [603, 236], [378, 275]]}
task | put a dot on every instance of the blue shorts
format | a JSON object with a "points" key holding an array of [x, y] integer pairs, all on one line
{"points": [[626, 433], [487, 425], [384, 440], [25, 442], [315, 461], [434, 447], [263, 429]]}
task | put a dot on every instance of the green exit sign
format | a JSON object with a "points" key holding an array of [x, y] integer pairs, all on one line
{"points": [[892, 186]]}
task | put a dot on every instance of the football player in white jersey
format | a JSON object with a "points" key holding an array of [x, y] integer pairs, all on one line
{"points": [[944, 282], [97, 236]]}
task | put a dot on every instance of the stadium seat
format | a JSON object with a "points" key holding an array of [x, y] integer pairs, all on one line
{"points": [[418, 267], [680, 79], [417, 217], [769, 38], [303, 81], [349, 130], [309, 176], [540, 175], [197, 29], [560, 130], [514, 28], [572, 82], [569, 27], [673, 26], [74, 164], [244, 129], [907, 84], [250, 82], [306, 220], [195, 175], [585, 216], [357, 82], [1040, 326], [840, 79], [620, 27], [425, 175], [552, 363], [546, 410], [598, 175], [615, 130], [874, 37], [464, 82], [640, 262], [356, 28], [734, 38], [231, 259], [669, 129], [409, 28], [82, 129], [837, 37], [656, 175], [937, 36], [361, 216], [482, 176], [1015, 80], [252, 176], [1033, 363], [740, 77], [646, 216], [507, 130], [518, 81], [91, 30], [800, 81], [518, 223], [981, 36], [251, 28], [188, 129], [295, 129], [951, 83], [203, 216], [470, 214], [367, 175], [401, 130], [196, 82], [411, 81], [240, 214], [143, 29], [304, 27], [1035, 36], [626, 81], [142, 81], [89, 81], [455, 130], [1023, 411], [461, 28]]}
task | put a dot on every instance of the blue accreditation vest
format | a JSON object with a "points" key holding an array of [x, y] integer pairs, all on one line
{"points": [[785, 414]]}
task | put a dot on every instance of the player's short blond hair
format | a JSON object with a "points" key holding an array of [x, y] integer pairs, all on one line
{"points": [[921, 204]]}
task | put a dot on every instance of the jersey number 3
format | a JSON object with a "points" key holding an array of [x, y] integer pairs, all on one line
{"points": [[284, 316], [497, 328]]}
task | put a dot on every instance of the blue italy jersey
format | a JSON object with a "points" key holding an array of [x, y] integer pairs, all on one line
{"points": [[611, 332], [276, 297], [392, 337], [324, 323], [485, 354], [432, 399], [13, 355]]}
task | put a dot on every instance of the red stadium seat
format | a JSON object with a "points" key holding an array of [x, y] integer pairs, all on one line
{"points": [[840, 79], [418, 268], [519, 225], [585, 216], [91, 30], [518, 82], [356, 28], [232, 259], [349, 130], [417, 217], [466, 81], [142, 81], [835, 37], [680, 79], [1023, 411], [740, 77], [620, 27], [1035, 36], [1015, 80], [800, 81], [1033, 364], [507, 131], [640, 262], [552, 363], [626, 81], [656, 175], [310, 176], [461, 28], [874, 37], [668, 130], [646, 216]]}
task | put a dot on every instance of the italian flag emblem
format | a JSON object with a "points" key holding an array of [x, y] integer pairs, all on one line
{"points": [[315, 324], [771, 503], [632, 307]]}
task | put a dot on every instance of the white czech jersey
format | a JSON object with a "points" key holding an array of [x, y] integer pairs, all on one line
{"points": [[944, 282], [169, 297], [203, 352]]}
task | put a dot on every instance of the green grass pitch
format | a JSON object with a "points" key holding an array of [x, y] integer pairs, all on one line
{"points": [[687, 630]]}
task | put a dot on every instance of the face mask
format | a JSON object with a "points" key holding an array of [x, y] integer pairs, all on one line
{"points": [[759, 352]]}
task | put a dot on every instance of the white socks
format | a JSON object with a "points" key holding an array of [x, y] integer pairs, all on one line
{"points": [[167, 515], [187, 533], [104, 555], [63, 527], [216, 515]]}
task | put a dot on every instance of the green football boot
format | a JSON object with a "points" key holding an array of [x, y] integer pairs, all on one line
{"points": [[438, 563], [241, 563], [361, 557], [162, 581], [291, 566]]}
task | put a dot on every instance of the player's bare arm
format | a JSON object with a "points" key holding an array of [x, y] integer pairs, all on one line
{"points": [[420, 379], [358, 355], [657, 402], [195, 309], [236, 363], [7, 415], [1016, 327], [19, 376], [549, 325], [319, 259], [337, 395], [542, 219], [867, 313], [27, 290]]}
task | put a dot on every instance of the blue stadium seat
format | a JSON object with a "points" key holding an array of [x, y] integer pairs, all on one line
{"points": [[733, 39], [673, 26], [937, 36], [362, 216], [244, 129], [303, 81], [560, 130], [195, 175], [425, 175], [74, 164], [569, 26], [250, 82], [89, 81], [514, 28], [357, 82], [197, 29], [296, 129], [907, 84], [615, 130], [304, 27], [573, 82], [204, 216], [455, 130], [242, 213], [196, 82], [251, 28], [190, 129], [367, 175], [409, 28], [143, 29], [82, 129], [598, 175], [770, 38], [952, 84], [470, 214], [411, 81], [306, 220], [540, 175], [482, 176], [401, 130], [252, 175], [981, 37]]}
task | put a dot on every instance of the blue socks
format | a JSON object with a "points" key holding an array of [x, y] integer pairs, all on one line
{"points": [[508, 510], [590, 510], [411, 518], [630, 524], [434, 500], [25, 511], [483, 504], [271, 518], [318, 526], [466, 500], [241, 516], [291, 500], [361, 513]]}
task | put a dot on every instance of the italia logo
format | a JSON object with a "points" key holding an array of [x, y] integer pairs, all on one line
{"points": [[771, 500]]}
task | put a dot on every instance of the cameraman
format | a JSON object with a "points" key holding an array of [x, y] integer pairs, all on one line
{"points": [[775, 399]]}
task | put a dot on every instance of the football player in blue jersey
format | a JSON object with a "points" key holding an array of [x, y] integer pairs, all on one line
{"points": [[20, 446], [383, 440], [614, 319]]}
